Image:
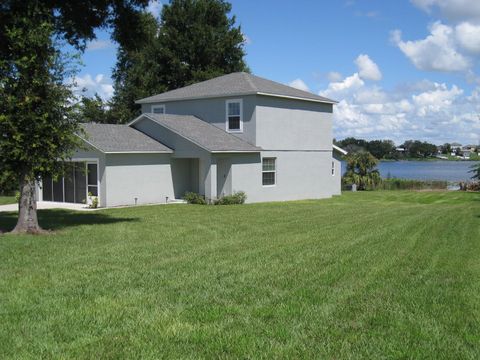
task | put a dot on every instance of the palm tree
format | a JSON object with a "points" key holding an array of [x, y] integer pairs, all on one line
{"points": [[361, 170]]}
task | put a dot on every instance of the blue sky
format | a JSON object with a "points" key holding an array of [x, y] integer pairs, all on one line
{"points": [[399, 69]]}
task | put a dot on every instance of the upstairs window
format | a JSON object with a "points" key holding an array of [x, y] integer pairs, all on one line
{"points": [[234, 115], [269, 172], [158, 109]]}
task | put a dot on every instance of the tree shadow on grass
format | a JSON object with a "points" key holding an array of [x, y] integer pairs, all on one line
{"points": [[58, 219]]}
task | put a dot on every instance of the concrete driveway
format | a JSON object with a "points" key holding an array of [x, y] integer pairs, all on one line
{"points": [[48, 205]]}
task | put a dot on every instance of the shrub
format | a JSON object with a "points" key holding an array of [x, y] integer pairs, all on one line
{"points": [[236, 198], [93, 201], [194, 198], [473, 186]]}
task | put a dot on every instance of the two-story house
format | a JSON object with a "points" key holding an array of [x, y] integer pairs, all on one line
{"points": [[236, 132]]}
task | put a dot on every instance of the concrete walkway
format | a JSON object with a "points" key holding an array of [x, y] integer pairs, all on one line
{"points": [[48, 205], [78, 207]]}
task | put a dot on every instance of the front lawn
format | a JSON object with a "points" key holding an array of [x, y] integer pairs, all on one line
{"points": [[5, 200], [375, 275]]}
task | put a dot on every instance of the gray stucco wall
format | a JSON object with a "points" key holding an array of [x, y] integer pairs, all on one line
{"points": [[337, 178], [297, 133], [299, 175], [284, 124], [213, 111], [272, 123], [147, 177]]}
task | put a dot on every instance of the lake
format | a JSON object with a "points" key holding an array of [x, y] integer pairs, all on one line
{"points": [[454, 171]]}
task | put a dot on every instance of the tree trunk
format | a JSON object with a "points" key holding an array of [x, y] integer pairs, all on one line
{"points": [[27, 208]]}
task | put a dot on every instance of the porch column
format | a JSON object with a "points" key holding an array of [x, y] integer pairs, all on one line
{"points": [[209, 172]]}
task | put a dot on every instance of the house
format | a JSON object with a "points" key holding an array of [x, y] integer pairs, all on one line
{"points": [[236, 132], [455, 146], [469, 148]]}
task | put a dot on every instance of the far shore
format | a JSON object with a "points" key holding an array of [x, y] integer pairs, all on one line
{"points": [[427, 159]]}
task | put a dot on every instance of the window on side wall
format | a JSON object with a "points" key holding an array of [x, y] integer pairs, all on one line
{"points": [[269, 171], [333, 168], [234, 109], [158, 109]]}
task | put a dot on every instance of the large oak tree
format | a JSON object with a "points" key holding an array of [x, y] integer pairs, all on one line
{"points": [[36, 123]]}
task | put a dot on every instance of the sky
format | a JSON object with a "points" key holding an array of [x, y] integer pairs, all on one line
{"points": [[399, 69]]}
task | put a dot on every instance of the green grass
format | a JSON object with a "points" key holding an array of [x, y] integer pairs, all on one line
{"points": [[375, 275], [5, 200]]}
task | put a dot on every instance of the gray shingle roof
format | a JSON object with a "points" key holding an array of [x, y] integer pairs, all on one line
{"points": [[110, 138], [205, 135], [234, 84]]}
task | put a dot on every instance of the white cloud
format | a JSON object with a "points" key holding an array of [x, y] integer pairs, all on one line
{"points": [[434, 101], [246, 40], [438, 51], [468, 36], [89, 86], [299, 84], [333, 76], [372, 94], [341, 88], [367, 69], [99, 45], [155, 8], [455, 10], [423, 110], [447, 48]]}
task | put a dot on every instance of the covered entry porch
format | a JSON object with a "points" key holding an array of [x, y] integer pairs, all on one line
{"points": [[209, 176]]}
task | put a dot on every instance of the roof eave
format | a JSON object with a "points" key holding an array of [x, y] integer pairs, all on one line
{"points": [[140, 152], [89, 143], [326, 101], [339, 149], [153, 101], [235, 151]]}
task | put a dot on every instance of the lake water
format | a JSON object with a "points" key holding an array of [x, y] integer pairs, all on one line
{"points": [[454, 171]]}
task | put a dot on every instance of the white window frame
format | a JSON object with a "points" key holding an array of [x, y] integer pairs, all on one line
{"points": [[270, 171], [162, 106], [231, 101], [333, 168], [98, 179]]}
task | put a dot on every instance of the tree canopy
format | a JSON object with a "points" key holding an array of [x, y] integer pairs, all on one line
{"points": [[386, 149], [37, 119], [194, 40], [419, 149], [381, 149]]}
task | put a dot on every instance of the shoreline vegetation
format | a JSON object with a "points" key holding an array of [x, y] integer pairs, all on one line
{"points": [[430, 159], [392, 184]]}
